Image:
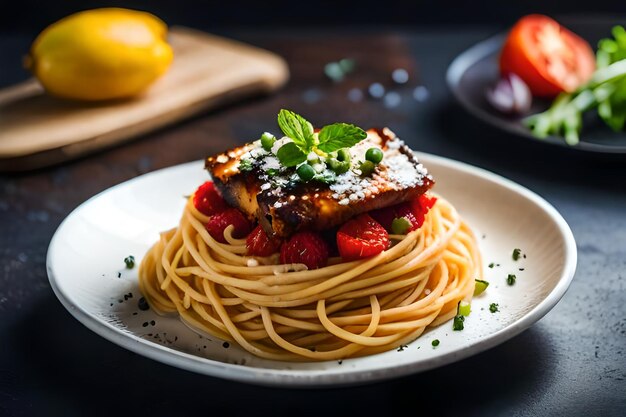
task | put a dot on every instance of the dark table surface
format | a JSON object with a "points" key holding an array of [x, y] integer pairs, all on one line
{"points": [[572, 362]]}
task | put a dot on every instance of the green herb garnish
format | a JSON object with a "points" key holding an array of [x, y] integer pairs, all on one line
{"points": [[491, 265], [435, 343], [290, 154], [464, 308], [480, 286], [493, 307], [325, 177], [457, 324], [511, 279], [330, 138], [245, 165], [339, 135], [130, 262], [516, 253]]}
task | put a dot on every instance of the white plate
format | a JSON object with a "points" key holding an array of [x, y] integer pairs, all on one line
{"points": [[87, 272]]}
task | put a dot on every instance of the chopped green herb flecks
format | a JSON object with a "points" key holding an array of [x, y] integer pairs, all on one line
{"points": [[510, 279], [245, 165], [435, 343], [491, 265], [493, 307], [516, 254], [464, 308], [480, 286], [457, 324], [130, 262]]}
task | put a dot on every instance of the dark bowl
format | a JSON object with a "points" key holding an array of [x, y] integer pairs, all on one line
{"points": [[476, 70]]}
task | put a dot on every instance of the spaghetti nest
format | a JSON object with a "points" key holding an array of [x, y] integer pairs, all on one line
{"points": [[285, 312]]}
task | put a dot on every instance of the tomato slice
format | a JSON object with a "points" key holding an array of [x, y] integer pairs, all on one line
{"points": [[548, 57], [361, 237]]}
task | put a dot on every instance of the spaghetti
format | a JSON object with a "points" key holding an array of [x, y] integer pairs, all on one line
{"points": [[286, 312]]}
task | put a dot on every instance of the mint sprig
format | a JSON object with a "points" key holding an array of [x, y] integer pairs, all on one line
{"points": [[330, 138], [297, 128], [290, 154], [340, 135]]}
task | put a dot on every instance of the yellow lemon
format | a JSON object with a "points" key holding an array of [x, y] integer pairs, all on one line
{"points": [[101, 54]]}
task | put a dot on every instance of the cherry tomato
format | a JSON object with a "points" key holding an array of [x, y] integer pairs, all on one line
{"points": [[546, 56], [361, 237]]}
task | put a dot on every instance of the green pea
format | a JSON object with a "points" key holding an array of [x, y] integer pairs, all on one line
{"points": [[267, 141], [339, 167], [305, 172], [367, 167], [374, 155], [400, 226], [343, 155]]}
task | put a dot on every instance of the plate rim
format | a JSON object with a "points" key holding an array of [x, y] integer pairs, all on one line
{"points": [[478, 51], [320, 378]]}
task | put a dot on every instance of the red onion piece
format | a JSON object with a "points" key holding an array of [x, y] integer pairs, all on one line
{"points": [[511, 95]]}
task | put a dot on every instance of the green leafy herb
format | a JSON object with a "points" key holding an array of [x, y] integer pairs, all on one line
{"points": [[605, 91], [297, 128], [339, 135], [245, 165], [457, 323], [130, 262], [290, 154], [480, 286], [331, 138], [435, 343], [272, 172], [491, 265], [511, 279], [516, 254], [493, 307]]}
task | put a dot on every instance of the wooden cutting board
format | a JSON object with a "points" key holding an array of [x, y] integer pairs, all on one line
{"points": [[37, 130]]}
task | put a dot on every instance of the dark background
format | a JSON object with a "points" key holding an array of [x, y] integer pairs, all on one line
{"points": [[571, 363], [31, 15]]}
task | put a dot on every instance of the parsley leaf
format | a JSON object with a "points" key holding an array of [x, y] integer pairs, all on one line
{"points": [[493, 307], [516, 253], [340, 135], [297, 128], [290, 154]]}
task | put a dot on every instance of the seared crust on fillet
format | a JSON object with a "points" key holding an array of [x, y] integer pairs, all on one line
{"points": [[283, 207]]}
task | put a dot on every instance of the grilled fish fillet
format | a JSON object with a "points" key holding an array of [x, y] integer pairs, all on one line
{"points": [[283, 206]]}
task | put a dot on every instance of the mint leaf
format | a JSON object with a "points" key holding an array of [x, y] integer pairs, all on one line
{"points": [[340, 135], [297, 128], [290, 154]]}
